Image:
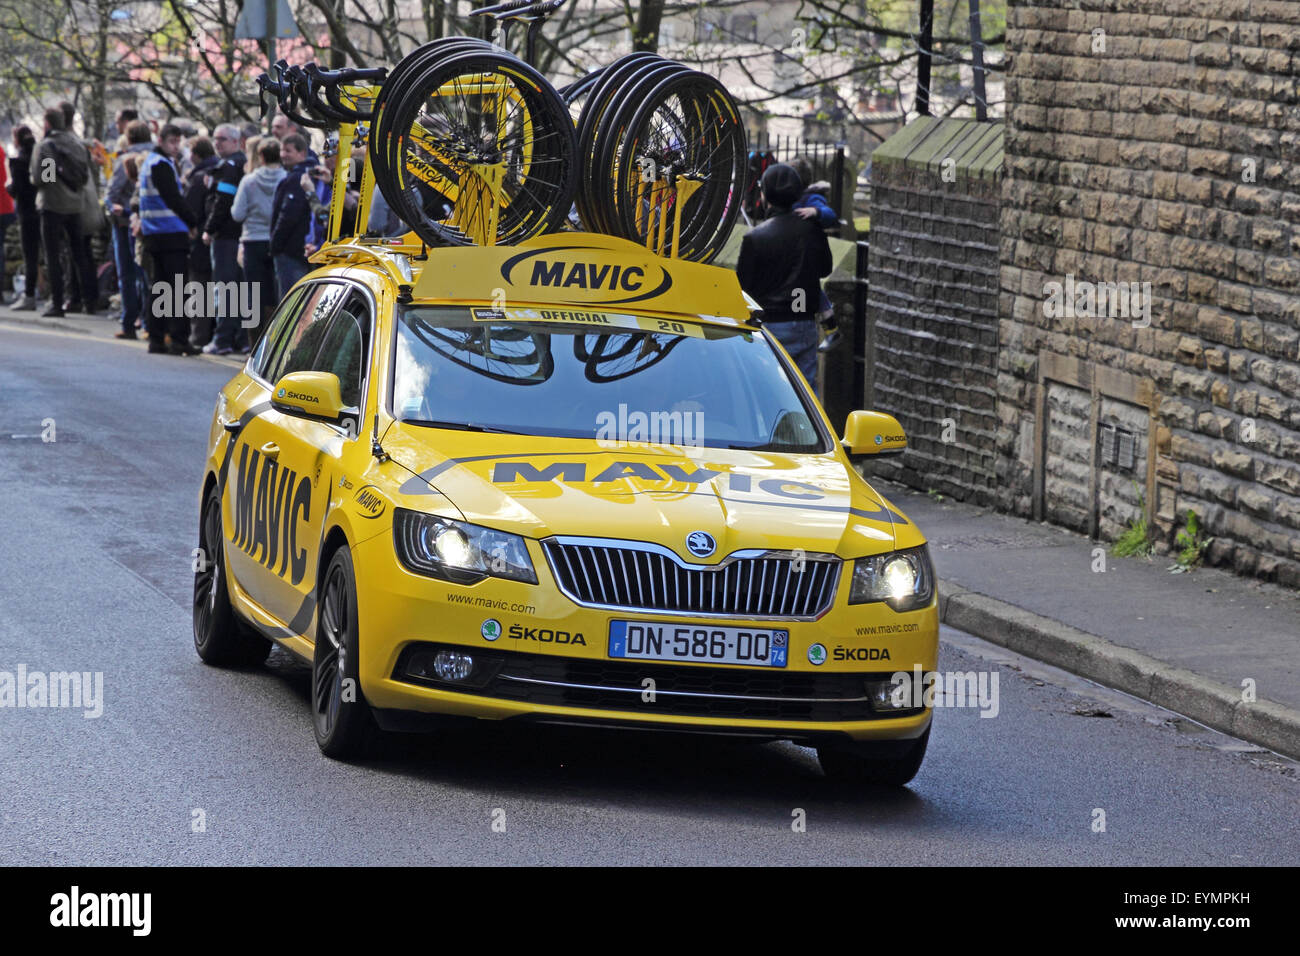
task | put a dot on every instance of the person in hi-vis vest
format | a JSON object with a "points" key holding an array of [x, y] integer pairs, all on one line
{"points": [[166, 224]]}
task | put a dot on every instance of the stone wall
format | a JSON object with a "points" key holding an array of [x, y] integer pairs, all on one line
{"points": [[932, 307], [1155, 141]]}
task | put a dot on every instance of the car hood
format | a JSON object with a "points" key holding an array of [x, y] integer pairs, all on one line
{"points": [[537, 487]]}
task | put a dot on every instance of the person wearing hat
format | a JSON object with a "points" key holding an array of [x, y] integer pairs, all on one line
{"points": [[782, 262]]}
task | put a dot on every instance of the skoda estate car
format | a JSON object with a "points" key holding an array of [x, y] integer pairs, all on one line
{"points": [[566, 481]]}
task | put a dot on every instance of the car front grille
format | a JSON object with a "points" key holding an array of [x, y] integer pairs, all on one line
{"points": [[641, 577]]}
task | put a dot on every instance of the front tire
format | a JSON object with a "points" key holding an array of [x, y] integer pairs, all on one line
{"points": [[866, 764], [219, 637], [341, 717]]}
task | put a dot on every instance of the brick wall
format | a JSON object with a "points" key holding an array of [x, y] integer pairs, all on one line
{"points": [[933, 302], [1156, 141]]}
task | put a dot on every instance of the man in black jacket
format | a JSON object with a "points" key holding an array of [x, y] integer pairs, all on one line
{"points": [[194, 184], [782, 261], [29, 221], [221, 233], [291, 216]]}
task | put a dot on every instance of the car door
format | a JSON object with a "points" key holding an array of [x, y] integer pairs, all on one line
{"points": [[311, 457], [267, 501]]}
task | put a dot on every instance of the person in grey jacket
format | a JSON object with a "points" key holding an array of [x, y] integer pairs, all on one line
{"points": [[61, 171], [252, 207]]}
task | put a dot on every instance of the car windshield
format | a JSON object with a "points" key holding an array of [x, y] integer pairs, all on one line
{"points": [[637, 380]]}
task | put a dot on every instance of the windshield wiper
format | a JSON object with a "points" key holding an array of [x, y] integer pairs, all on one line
{"points": [[459, 426]]}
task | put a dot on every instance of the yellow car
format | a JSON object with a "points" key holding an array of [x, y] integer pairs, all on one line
{"points": [[566, 481]]}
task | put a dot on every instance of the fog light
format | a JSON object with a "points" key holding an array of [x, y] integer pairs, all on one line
{"points": [[886, 695], [443, 664], [452, 665]]}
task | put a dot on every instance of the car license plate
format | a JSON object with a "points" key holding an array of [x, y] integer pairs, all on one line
{"points": [[657, 641]]}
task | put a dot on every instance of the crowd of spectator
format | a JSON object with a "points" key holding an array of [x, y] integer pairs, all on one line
{"points": [[230, 207], [235, 209]]}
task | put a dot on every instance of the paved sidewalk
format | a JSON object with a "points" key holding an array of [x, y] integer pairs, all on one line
{"points": [[1184, 641], [102, 326]]}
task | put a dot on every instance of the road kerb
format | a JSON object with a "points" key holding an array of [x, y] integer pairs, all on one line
{"points": [[21, 318], [104, 334], [1263, 722]]}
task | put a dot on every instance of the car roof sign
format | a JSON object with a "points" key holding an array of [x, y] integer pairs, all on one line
{"points": [[580, 269]]}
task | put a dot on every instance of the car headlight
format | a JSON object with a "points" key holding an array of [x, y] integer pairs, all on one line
{"points": [[902, 579], [458, 551]]}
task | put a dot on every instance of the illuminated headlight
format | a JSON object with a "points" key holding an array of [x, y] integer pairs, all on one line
{"points": [[902, 579], [457, 551]]}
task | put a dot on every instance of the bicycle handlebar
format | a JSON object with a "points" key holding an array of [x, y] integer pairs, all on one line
{"points": [[348, 74], [499, 8], [330, 81], [292, 84], [285, 93], [540, 11], [516, 9]]}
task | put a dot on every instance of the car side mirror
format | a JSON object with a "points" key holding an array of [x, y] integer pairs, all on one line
{"points": [[309, 395], [873, 433]]}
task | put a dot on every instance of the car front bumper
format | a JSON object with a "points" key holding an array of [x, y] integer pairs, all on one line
{"points": [[550, 661]]}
